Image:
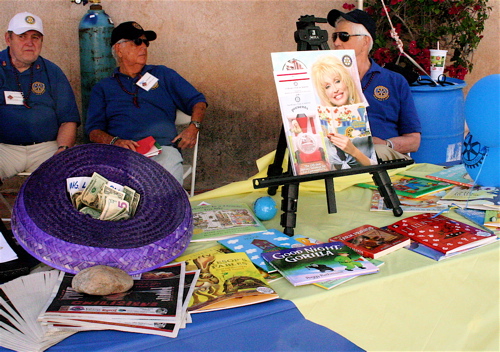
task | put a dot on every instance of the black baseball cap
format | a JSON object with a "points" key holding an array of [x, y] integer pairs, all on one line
{"points": [[355, 16], [130, 30]]}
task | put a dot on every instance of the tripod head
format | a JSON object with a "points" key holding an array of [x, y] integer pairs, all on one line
{"points": [[309, 36]]}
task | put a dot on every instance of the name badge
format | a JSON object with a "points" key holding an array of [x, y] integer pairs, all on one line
{"points": [[13, 98], [147, 81]]}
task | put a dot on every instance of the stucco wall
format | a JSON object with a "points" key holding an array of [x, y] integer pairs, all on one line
{"points": [[223, 48]]}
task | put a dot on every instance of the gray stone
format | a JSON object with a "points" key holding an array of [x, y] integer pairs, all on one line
{"points": [[102, 280]]}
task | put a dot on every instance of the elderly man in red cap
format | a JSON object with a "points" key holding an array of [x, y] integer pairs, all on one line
{"points": [[394, 122], [38, 111]]}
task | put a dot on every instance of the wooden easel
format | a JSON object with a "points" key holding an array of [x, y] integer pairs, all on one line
{"points": [[310, 37]]}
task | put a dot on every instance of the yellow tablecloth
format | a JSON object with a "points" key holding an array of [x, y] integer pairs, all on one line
{"points": [[413, 304]]}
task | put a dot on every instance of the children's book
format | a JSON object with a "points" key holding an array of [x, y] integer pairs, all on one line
{"points": [[313, 118], [371, 241], [431, 253], [421, 204], [256, 243], [328, 285], [441, 233], [456, 174], [148, 147], [320, 262], [485, 198], [411, 186], [226, 280], [488, 219], [216, 222]]}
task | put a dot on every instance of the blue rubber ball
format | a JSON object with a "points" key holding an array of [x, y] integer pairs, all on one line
{"points": [[265, 208]]}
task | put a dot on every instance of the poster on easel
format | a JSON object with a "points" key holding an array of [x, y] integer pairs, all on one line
{"points": [[323, 110]]}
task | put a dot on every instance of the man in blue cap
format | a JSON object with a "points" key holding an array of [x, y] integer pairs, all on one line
{"points": [[394, 121], [38, 112], [140, 100]]}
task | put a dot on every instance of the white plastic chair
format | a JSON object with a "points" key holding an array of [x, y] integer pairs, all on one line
{"points": [[183, 119]]}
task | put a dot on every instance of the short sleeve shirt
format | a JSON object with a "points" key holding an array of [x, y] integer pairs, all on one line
{"points": [[49, 96], [392, 110]]}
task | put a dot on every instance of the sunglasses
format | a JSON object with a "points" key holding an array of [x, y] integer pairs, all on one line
{"points": [[344, 36], [138, 41]]}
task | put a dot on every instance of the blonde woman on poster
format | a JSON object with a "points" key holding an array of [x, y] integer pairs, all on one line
{"points": [[336, 88]]}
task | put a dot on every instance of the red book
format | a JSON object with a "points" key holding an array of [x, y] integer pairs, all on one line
{"points": [[145, 145], [148, 147], [371, 241], [442, 233]]}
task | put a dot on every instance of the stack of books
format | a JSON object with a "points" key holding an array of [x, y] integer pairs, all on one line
{"points": [[440, 237], [227, 280], [41, 309]]}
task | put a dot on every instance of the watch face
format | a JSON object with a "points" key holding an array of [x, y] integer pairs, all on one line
{"points": [[197, 124]]}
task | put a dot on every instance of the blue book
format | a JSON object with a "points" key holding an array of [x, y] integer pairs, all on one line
{"points": [[256, 243]]}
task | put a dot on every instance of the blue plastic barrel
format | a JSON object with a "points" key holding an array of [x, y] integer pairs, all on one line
{"points": [[442, 114], [96, 59]]}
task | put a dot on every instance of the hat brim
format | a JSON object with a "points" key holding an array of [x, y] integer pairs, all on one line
{"points": [[47, 226]]}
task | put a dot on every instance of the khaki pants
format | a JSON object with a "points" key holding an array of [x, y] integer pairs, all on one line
{"points": [[17, 158], [386, 153]]}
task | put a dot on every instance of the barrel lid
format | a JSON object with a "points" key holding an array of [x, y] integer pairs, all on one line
{"points": [[425, 84]]}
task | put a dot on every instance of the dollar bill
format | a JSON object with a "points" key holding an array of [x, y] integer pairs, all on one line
{"points": [[103, 199], [89, 195], [113, 208], [96, 214]]}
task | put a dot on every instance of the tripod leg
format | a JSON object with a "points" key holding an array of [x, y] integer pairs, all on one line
{"points": [[276, 168], [290, 195], [330, 196], [384, 183]]}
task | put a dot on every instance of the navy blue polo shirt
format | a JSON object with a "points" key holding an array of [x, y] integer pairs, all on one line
{"points": [[50, 98], [112, 107], [392, 110]]}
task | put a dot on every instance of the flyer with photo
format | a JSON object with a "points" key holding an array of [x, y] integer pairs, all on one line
{"points": [[323, 110]]}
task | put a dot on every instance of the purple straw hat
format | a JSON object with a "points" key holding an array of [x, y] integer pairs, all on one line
{"points": [[48, 227]]}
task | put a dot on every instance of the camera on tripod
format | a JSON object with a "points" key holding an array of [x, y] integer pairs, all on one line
{"points": [[309, 36]]}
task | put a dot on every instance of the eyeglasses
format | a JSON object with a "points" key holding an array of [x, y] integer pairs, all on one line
{"points": [[137, 41], [344, 36]]}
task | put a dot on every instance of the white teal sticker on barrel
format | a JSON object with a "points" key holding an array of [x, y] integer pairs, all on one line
{"points": [[454, 152]]}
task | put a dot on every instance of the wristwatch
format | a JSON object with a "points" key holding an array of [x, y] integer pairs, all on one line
{"points": [[196, 124]]}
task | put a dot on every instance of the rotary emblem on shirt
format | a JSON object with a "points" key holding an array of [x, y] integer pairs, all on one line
{"points": [[38, 88], [381, 93]]}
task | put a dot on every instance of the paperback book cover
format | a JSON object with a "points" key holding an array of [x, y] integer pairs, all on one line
{"points": [[485, 198], [456, 174], [411, 186], [226, 280], [328, 285], [322, 105], [428, 204], [320, 262], [256, 243], [442, 233], [215, 222], [371, 241]]}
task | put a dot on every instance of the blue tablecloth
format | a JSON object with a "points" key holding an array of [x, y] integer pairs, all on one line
{"points": [[271, 326]]}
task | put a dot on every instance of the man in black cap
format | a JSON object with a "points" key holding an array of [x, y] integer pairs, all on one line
{"points": [[141, 100], [394, 122]]}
